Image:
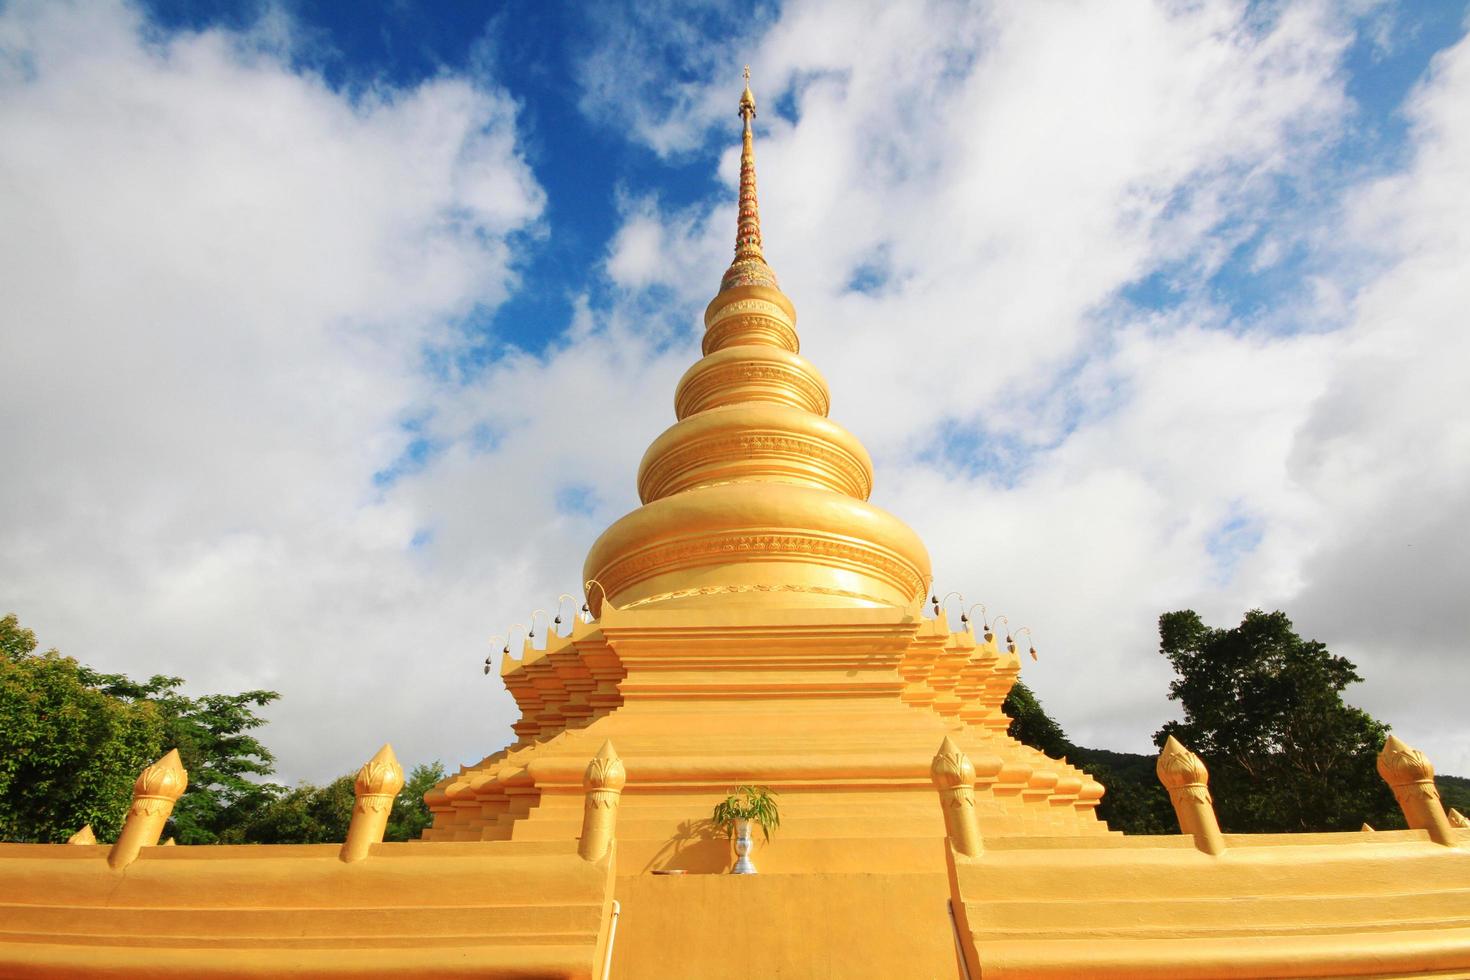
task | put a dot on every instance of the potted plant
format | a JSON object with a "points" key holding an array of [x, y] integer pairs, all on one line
{"points": [[734, 815]]}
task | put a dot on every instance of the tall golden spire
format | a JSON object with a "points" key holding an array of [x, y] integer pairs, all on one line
{"points": [[754, 497], [749, 267]]}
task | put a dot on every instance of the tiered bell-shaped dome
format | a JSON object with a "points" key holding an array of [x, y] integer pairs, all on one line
{"points": [[754, 496]]}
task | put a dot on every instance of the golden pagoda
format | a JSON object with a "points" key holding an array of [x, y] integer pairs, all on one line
{"points": [[756, 621]]}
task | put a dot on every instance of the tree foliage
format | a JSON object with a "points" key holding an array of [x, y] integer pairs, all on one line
{"points": [[212, 736], [1031, 725], [1264, 709], [411, 815], [309, 814], [1454, 791], [73, 740], [305, 814], [1134, 803], [69, 751]]}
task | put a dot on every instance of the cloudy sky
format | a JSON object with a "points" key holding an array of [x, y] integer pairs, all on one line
{"points": [[331, 335]]}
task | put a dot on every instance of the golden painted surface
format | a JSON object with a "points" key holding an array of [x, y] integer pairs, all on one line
{"points": [[751, 373], [366, 909], [377, 784], [755, 443], [1188, 782], [774, 535], [1390, 904], [156, 790], [839, 710], [1410, 775], [407, 910]]}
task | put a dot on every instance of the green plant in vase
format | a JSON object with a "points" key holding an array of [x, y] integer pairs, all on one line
{"points": [[747, 805]]}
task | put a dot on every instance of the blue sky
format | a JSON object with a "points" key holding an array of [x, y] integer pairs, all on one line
{"points": [[340, 328], [585, 162], [533, 50]]}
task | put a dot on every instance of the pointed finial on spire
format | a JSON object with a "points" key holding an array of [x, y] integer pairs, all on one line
{"points": [[747, 101], [749, 267]]}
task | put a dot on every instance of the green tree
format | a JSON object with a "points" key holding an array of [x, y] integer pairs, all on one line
{"points": [[308, 814], [1264, 709], [212, 736], [1454, 791], [69, 753], [1031, 725], [73, 740], [411, 816], [1134, 803], [305, 814]]}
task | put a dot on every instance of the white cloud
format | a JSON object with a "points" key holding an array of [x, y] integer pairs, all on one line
{"points": [[645, 67], [220, 279], [655, 248], [1385, 452]]}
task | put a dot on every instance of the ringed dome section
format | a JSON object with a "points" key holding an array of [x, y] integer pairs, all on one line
{"points": [[751, 373], [795, 545], [753, 442], [750, 315]]}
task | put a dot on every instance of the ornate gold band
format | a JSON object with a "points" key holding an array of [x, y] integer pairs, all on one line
{"points": [[750, 328], [734, 381], [739, 589], [730, 547], [752, 455]]}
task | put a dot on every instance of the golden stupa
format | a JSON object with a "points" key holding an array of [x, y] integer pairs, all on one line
{"points": [[756, 621]]}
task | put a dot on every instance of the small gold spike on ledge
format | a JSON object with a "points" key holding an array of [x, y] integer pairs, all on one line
{"points": [[378, 783], [1188, 781]]}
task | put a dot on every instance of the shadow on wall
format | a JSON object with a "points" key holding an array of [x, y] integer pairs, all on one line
{"points": [[698, 846]]}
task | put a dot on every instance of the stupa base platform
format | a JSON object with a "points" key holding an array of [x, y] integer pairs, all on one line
{"points": [[1389, 904], [734, 927], [838, 711], [1370, 905], [1386, 905], [406, 910]]}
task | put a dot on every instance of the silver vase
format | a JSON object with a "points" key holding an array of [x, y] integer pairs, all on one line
{"points": [[743, 844]]}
